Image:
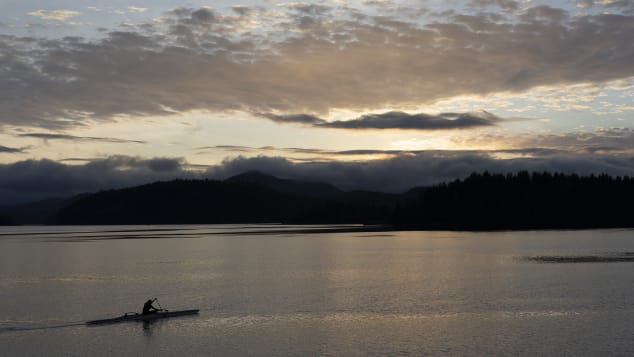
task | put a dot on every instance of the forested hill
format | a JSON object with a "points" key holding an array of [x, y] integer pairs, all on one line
{"points": [[522, 201], [480, 201], [249, 198]]}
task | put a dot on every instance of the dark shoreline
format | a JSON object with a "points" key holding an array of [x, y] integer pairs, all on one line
{"points": [[331, 227]]}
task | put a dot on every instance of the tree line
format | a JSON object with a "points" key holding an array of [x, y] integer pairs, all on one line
{"points": [[521, 201]]}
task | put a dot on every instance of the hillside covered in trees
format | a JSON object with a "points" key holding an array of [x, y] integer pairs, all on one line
{"points": [[248, 198], [522, 201], [478, 202], [6, 220]]}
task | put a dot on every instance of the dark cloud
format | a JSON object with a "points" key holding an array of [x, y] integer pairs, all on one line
{"points": [[203, 16], [403, 172], [37, 179], [241, 9], [308, 61], [233, 148], [504, 4], [295, 118], [405, 121], [10, 150], [50, 136], [78, 159], [394, 120]]}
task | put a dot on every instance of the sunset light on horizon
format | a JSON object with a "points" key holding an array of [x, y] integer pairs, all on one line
{"points": [[374, 94]]}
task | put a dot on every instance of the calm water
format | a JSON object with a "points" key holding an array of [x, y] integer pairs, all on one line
{"points": [[271, 290]]}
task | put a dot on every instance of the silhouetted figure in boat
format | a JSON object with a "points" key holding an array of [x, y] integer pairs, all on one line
{"points": [[148, 308]]}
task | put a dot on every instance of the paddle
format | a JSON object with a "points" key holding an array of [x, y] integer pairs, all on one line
{"points": [[159, 305]]}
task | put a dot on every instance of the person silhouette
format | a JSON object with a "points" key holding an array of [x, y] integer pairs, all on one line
{"points": [[148, 308]]}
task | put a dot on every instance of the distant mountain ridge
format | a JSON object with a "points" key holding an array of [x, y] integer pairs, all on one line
{"points": [[286, 186]]}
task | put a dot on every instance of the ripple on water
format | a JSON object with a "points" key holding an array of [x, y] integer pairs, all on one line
{"points": [[612, 257]]}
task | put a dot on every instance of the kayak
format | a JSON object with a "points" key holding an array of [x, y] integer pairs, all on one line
{"points": [[133, 316]]}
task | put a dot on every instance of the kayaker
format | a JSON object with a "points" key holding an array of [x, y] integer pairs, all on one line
{"points": [[148, 308]]}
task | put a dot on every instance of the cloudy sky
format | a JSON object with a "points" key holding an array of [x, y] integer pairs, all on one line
{"points": [[374, 94]]}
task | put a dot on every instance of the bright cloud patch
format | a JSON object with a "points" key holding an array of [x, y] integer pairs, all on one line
{"points": [[59, 15], [137, 9]]}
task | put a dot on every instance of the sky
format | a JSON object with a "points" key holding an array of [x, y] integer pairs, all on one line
{"points": [[370, 94]]}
